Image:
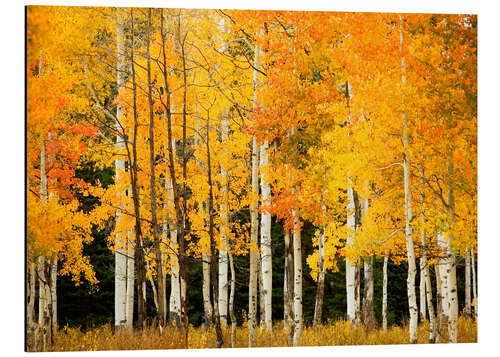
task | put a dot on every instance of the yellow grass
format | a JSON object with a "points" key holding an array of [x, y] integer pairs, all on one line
{"points": [[334, 333]]}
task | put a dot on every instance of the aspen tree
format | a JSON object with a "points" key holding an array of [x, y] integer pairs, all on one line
{"points": [[368, 313], [321, 266], [175, 290], [297, 288], [120, 255], [129, 304], [265, 237], [439, 299], [265, 225], [231, 300], [254, 223], [384, 294], [442, 265], [351, 229], [467, 284], [43, 297], [224, 231], [412, 299], [451, 259], [424, 272], [474, 286], [289, 286], [423, 307]]}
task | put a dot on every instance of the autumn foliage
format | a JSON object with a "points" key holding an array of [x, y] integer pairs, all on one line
{"points": [[173, 98]]}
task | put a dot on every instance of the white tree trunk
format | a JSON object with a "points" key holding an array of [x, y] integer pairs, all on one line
{"points": [[443, 277], [384, 295], [265, 238], [286, 309], [451, 256], [231, 300], [44, 294], [474, 285], [423, 305], [175, 291], [42, 301], [120, 238], [223, 253], [175, 283], [261, 295], [129, 299], [432, 316], [439, 295], [254, 222], [53, 291], [350, 266], [357, 296], [223, 286], [297, 260], [467, 285], [412, 298], [425, 276], [207, 302], [369, 315], [30, 312], [288, 284], [452, 296]]}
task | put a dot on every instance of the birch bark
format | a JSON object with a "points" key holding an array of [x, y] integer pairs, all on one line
{"points": [[368, 313], [321, 279], [254, 231], [350, 266], [424, 274], [412, 299], [439, 296], [384, 295], [53, 291], [451, 259], [30, 312], [467, 285], [423, 305], [265, 238], [43, 278], [254, 221], [289, 286], [129, 300], [223, 251], [474, 285], [231, 300], [120, 258], [297, 260], [443, 278]]}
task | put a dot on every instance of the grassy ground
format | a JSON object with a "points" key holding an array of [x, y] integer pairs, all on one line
{"points": [[334, 333]]}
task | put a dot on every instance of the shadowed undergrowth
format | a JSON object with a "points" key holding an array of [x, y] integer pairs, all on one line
{"points": [[334, 333]]}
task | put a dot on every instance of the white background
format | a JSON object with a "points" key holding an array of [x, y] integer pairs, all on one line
{"points": [[12, 170]]}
